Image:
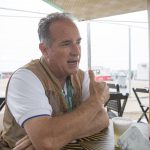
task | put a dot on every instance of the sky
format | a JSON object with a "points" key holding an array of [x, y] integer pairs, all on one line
{"points": [[115, 39], [109, 36]]}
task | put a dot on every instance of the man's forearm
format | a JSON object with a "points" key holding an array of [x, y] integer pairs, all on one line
{"points": [[58, 131], [99, 122]]}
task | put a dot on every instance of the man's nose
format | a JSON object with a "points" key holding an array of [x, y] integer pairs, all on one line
{"points": [[75, 50]]}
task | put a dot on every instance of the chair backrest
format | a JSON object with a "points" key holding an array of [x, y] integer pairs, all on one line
{"points": [[141, 90], [113, 104], [2, 102], [137, 91], [117, 102], [114, 87]]}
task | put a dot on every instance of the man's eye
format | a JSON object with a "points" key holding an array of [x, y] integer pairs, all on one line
{"points": [[65, 44], [78, 42]]}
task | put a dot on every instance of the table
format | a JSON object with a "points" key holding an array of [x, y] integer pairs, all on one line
{"points": [[105, 141]]}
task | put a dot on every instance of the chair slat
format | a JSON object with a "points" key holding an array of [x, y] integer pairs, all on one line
{"points": [[2, 102]]}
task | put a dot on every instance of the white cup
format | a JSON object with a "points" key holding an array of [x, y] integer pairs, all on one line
{"points": [[121, 124]]}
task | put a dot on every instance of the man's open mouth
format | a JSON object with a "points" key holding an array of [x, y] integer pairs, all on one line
{"points": [[72, 61]]}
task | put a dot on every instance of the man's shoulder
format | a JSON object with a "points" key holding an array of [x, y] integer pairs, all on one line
{"points": [[23, 73], [32, 63]]}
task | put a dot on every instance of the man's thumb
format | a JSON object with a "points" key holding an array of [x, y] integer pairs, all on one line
{"points": [[91, 76], [92, 80]]}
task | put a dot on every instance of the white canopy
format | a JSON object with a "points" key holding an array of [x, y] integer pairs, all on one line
{"points": [[92, 9]]}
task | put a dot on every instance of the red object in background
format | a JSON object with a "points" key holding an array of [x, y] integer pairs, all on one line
{"points": [[103, 78]]}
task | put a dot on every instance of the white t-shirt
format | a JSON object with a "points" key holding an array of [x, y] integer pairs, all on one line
{"points": [[26, 96]]}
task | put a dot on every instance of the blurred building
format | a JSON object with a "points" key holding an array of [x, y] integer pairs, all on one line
{"points": [[142, 72]]}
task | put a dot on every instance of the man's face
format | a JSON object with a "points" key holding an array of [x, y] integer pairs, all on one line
{"points": [[64, 52]]}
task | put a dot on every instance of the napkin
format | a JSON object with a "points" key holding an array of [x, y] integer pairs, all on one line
{"points": [[136, 137]]}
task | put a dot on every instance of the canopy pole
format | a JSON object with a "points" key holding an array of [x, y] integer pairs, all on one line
{"points": [[89, 44], [129, 77], [148, 9]]}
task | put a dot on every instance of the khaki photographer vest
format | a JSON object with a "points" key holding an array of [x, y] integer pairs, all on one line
{"points": [[12, 131]]}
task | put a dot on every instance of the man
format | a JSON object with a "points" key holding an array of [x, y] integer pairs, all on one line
{"points": [[50, 101]]}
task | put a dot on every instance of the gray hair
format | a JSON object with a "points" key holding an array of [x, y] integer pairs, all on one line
{"points": [[44, 24]]}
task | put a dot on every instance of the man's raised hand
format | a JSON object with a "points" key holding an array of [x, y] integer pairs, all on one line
{"points": [[98, 90]]}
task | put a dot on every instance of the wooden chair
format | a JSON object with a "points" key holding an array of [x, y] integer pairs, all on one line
{"points": [[114, 87], [117, 101], [139, 96], [2, 102]]}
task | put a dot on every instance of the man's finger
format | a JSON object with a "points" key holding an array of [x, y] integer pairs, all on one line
{"points": [[92, 81], [21, 140], [91, 76], [23, 144], [30, 148]]}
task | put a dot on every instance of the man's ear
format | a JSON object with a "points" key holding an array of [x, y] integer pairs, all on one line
{"points": [[43, 49]]}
